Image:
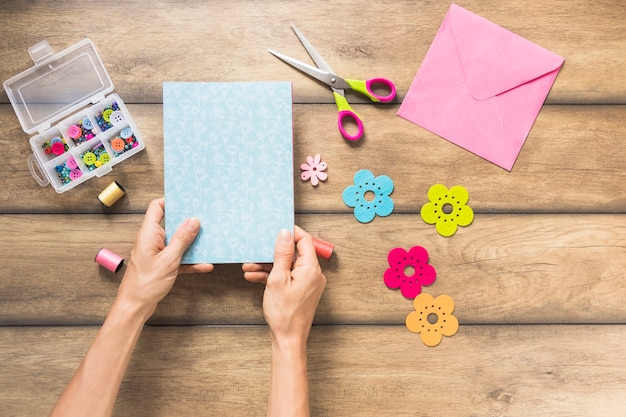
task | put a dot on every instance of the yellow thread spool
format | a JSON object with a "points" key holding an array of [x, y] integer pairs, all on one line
{"points": [[111, 194]]}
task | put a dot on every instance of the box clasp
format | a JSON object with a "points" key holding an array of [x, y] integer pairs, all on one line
{"points": [[40, 51]]}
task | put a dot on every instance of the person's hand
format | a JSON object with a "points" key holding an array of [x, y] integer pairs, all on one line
{"points": [[292, 292], [153, 267]]}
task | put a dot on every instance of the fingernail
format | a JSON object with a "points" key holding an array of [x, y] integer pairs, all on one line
{"points": [[284, 236], [193, 224]]}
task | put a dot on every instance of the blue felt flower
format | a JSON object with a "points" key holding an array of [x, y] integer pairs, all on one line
{"points": [[369, 196]]}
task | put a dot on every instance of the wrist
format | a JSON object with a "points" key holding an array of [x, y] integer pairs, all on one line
{"points": [[133, 310], [295, 345]]}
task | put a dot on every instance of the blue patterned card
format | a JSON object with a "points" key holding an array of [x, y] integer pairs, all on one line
{"points": [[228, 160]]}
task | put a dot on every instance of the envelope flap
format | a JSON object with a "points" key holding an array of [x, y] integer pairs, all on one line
{"points": [[494, 59]]}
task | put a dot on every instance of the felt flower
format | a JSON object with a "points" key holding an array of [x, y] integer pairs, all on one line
{"points": [[432, 318], [314, 170], [409, 271], [369, 196], [447, 209]]}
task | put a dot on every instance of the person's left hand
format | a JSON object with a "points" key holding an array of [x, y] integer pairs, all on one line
{"points": [[153, 266]]}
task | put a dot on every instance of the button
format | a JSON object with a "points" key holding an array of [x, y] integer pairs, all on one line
{"points": [[97, 164], [106, 115], [89, 158], [87, 123], [71, 163], [74, 131], [117, 117], [57, 148], [117, 144], [104, 157], [56, 139], [126, 133], [75, 174]]}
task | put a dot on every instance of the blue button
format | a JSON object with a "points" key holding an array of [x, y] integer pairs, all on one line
{"points": [[87, 123], [126, 133]]}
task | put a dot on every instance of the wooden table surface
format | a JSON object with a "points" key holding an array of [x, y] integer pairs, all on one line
{"points": [[538, 279]]}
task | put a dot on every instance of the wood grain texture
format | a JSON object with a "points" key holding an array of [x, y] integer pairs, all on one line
{"points": [[538, 279], [225, 40], [362, 371], [573, 161], [501, 269]]}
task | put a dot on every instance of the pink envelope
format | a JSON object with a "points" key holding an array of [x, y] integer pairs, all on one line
{"points": [[481, 87]]}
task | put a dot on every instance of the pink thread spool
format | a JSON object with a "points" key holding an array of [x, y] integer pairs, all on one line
{"points": [[111, 261]]}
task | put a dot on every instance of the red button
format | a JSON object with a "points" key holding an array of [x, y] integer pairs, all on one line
{"points": [[57, 148]]}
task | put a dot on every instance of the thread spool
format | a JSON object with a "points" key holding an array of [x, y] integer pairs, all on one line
{"points": [[111, 194], [111, 261], [323, 249]]}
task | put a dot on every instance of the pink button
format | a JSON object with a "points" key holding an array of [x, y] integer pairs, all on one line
{"points": [[71, 163], [75, 174], [74, 132], [57, 148]]}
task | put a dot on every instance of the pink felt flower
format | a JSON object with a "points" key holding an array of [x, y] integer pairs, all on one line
{"points": [[409, 271], [314, 170]]}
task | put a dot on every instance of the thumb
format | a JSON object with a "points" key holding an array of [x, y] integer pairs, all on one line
{"points": [[283, 251], [184, 237]]}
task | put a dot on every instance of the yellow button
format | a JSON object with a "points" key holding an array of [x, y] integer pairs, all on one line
{"points": [[106, 115], [89, 158], [98, 164], [104, 157]]}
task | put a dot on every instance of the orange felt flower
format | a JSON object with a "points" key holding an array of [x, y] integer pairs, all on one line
{"points": [[432, 318]]}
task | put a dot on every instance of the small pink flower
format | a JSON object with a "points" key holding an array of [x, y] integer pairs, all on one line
{"points": [[409, 271], [313, 170]]}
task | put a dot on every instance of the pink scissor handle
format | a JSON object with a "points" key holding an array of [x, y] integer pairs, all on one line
{"points": [[386, 84], [367, 88], [347, 115]]}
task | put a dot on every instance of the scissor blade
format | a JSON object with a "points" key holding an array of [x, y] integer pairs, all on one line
{"points": [[324, 76], [315, 56]]}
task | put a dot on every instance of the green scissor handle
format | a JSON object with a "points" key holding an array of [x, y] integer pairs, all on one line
{"points": [[365, 87]]}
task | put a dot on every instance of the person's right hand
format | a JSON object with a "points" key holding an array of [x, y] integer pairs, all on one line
{"points": [[292, 289]]}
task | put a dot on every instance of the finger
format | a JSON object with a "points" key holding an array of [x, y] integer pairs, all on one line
{"points": [[195, 268], [258, 277], [254, 267], [183, 238], [155, 211], [283, 253], [305, 245]]}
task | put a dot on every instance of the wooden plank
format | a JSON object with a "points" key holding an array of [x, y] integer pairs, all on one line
{"points": [[501, 269], [226, 40], [209, 371], [573, 161]]}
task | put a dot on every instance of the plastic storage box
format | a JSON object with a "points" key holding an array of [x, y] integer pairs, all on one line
{"points": [[91, 131]]}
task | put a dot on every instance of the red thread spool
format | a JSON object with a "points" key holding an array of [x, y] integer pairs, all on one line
{"points": [[323, 249], [111, 261]]}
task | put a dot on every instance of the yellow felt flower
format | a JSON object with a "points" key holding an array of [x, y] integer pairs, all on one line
{"points": [[432, 318], [447, 209]]}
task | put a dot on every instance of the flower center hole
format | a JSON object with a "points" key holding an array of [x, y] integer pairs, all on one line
{"points": [[409, 271], [369, 195], [432, 318], [447, 208]]}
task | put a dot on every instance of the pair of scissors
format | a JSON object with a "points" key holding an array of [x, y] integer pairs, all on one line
{"points": [[325, 74]]}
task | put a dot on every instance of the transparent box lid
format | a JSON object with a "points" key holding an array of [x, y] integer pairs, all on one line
{"points": [[57, 85]]}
